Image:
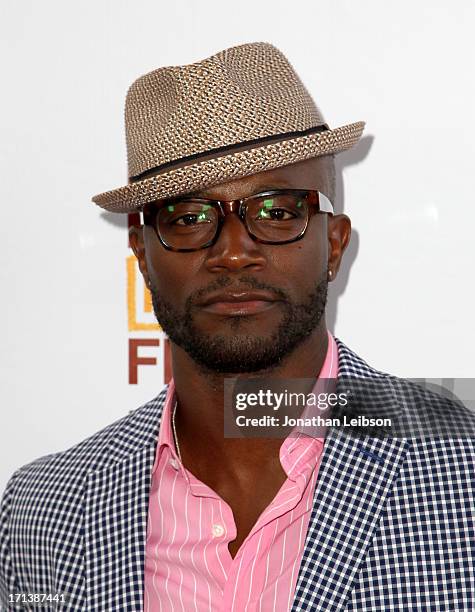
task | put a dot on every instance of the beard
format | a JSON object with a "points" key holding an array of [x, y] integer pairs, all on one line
{"points": [[242, 352]]}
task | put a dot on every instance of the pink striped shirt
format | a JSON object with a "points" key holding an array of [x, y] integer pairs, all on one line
{"points": [[187, 563]]}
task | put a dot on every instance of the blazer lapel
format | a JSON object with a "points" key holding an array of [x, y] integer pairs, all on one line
{"points": [[355, 478], [115, 513], [356, 475]]}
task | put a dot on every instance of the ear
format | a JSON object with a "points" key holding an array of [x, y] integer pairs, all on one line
{"points": [[138, 247], [339, 233]]}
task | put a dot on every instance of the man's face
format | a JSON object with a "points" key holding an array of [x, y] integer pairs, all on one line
{"points": [[284, 286]]}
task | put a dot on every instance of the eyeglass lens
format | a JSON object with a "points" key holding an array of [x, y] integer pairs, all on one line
{"points": [[273, 218]]}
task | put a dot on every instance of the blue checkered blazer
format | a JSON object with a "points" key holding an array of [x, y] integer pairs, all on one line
{"points": [[392, 526]]}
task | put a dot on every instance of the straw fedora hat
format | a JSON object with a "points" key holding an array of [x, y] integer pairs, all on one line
{"points": [[241, 111]]}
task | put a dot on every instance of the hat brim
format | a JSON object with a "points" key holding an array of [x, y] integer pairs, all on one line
{"points": [[202, 174]]}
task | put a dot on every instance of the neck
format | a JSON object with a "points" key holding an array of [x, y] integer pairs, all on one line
{"points": [[200, 393]]}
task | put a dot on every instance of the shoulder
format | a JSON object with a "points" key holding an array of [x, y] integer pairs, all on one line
{"points": [[71, 465], [48, 494], [420, 408]]}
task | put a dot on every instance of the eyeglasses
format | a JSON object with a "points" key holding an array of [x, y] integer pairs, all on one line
{"points": [[279, 216]]}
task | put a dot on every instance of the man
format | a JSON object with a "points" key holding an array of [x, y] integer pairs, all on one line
{"points": [[232, 166]]}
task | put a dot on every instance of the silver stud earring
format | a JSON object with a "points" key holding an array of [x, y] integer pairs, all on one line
{"points": [[330, 274]]}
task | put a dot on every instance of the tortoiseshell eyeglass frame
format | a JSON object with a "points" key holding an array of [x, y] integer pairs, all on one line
{"points": [[317, 201]]}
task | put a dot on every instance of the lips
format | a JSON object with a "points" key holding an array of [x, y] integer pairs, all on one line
{"points": [[238, 303], [235, 297]]}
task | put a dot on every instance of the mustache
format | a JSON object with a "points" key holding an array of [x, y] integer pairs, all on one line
{"points": [[244, 282]]}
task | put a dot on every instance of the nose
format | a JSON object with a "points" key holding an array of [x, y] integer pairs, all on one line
{"points": [[234, 249]]}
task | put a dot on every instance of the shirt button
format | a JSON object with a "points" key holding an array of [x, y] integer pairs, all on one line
{"points": [[218, 531], [174, 463]]}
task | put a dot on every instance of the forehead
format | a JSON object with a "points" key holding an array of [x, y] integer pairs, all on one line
{"points": [[309, 174]]}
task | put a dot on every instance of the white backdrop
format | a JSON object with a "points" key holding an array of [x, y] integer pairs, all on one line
{"points": [[404, 299]]}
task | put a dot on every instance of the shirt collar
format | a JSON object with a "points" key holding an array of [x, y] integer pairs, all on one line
{"points": [[165, 435], [300, 449]]}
